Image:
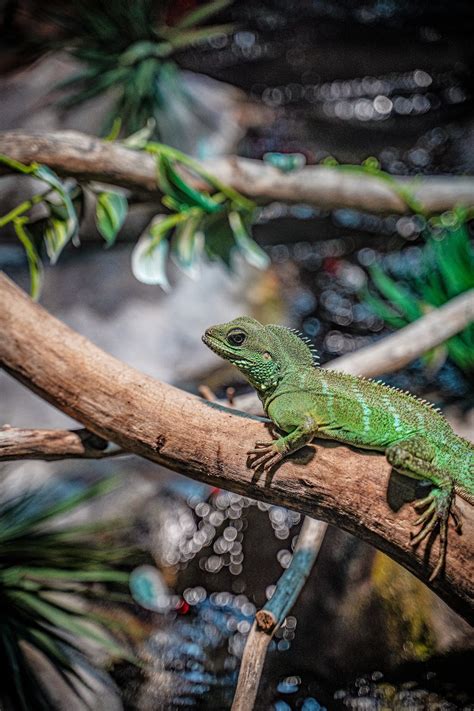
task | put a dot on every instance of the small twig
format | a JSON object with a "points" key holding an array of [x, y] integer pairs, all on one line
{"points": [[50, 445], [206, 393], [230, 395], [273, 613]]}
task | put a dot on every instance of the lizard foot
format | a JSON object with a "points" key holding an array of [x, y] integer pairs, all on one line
{"points": [[264, 456], [436, 509]]}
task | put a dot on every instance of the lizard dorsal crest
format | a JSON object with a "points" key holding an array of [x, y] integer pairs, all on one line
{"points": [[293, 346]]}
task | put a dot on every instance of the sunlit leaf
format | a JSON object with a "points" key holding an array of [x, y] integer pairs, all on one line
{"points": [[249, 248], [56, 235], [111, 210], [150, 255], [187, 245]]}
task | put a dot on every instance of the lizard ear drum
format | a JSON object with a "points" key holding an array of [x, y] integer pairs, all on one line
{"points": [[267, 356]]}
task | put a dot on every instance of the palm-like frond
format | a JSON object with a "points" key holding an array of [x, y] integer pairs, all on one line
{"points": [[46, 576], [127, 46], [447, 270]]}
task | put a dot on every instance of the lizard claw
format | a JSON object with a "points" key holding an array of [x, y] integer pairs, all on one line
{"points": [[437, 508], [264, 456]]}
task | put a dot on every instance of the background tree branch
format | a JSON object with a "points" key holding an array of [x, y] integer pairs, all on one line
{"points": [[352, 489], [273, 613], [85, 157], [16, 443]]}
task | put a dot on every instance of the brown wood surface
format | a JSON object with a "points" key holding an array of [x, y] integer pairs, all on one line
{"points": [[206, 441], [17, 443]]}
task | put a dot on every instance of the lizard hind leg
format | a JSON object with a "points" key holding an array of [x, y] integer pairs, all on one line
{"points": [[414, 457]]}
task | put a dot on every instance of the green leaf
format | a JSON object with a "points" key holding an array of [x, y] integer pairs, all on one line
{"points": [[150, 255], [69, 621], [187, 245], [20, 524], [35, 264], [398, 295], [56, 236], [173, 184], [111, 210], [249, 248], [195, 17]]}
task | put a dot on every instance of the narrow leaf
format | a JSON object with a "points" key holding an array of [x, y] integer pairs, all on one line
{"points": [[194, 17], [149, 257], [249, 248], [56, 236], [187, 245], [35, 264], [111, 210]]}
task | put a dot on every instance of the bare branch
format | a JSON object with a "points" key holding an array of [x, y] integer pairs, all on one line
{"points": [[208, 442], [50, 445], [88, 158], [395, 351], [272, 615]]}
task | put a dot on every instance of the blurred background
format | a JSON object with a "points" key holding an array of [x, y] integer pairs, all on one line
{"points": [[291, 84]]}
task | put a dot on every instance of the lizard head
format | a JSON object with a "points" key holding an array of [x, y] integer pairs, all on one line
{"points": [[262, 353]]}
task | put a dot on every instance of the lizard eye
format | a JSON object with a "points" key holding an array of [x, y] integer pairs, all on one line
{"points": [[236, 338]]}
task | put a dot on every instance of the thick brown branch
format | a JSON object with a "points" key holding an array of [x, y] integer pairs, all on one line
{"points": [[86, 157], [49, 445], [209, 442]]}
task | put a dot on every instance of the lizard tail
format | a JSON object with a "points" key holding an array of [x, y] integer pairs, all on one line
{"points": [[464, 494]]}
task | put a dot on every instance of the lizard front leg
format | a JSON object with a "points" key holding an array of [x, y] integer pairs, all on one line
{"points": [[266, 455], [414, 457]]}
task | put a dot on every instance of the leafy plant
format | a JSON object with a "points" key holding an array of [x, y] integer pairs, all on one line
{"points": [[128, 47], [213, 221], [216, 224], [446, 270], [61, 226], [46, 575]]}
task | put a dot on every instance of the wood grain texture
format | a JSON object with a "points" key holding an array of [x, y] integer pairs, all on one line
{"points": [[351, 489], [49, 445], [86, 157]]}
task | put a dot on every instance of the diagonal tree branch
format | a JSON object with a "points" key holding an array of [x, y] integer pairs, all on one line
{"points": [[385, 356], [85, 157], [208, 442]]}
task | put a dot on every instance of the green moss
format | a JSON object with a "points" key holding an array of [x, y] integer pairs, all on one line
{"points": [[407, 607]]}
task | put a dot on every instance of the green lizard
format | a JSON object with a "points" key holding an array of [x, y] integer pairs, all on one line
{"points": [[305, 401]]}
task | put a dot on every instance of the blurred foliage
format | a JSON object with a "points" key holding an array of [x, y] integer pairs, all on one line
{"points": [[127, 47], [47, 575], [216, 225], [446, 270], [198, 224]]}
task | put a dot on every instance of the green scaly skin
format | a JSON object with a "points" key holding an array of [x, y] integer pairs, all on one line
{"points": [[305, 401]]}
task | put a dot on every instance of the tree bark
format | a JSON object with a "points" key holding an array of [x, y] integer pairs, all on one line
{"points": [[208, 442], [85, 157], [16, 443]]}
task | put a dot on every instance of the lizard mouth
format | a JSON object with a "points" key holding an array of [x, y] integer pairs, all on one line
{"points": [[212, 343], [216, 345]]}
